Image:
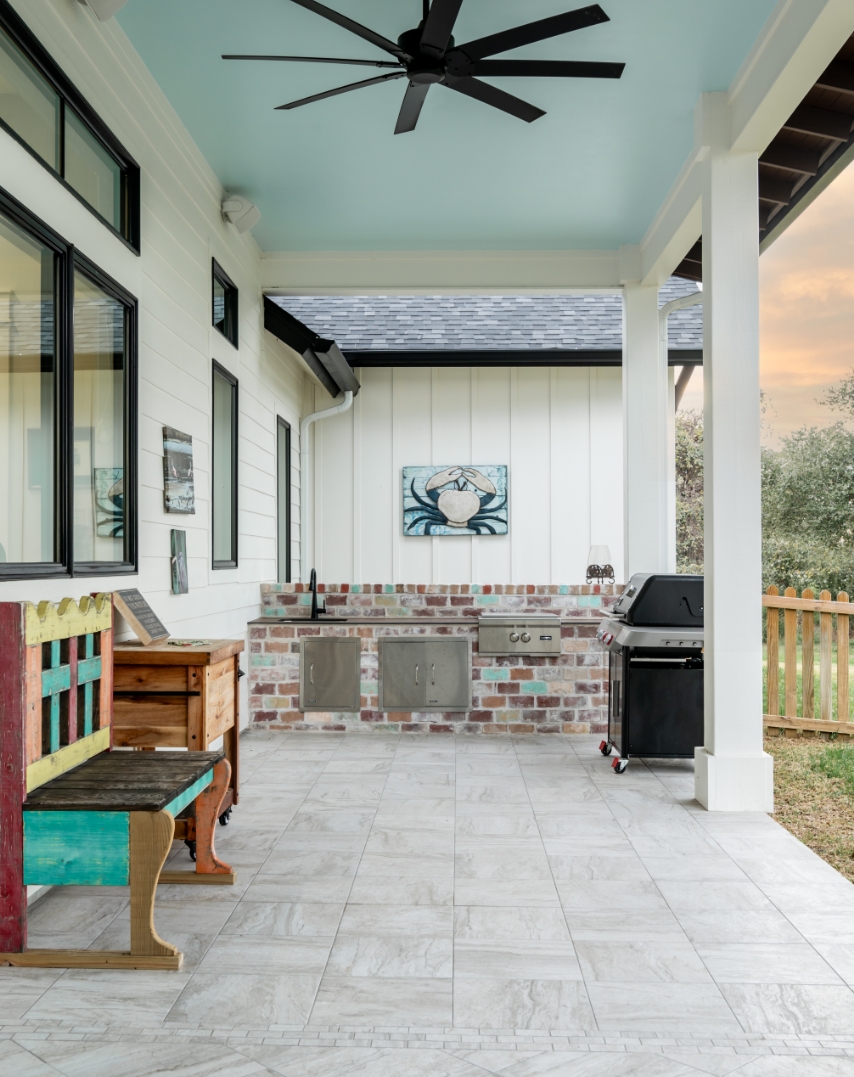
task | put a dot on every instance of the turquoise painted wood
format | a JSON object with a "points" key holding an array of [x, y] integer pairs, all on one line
{"points": [[88, 669], [76, 848], [181, 802], [56, 680]]}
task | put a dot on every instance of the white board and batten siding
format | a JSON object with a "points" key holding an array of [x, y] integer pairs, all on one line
{"points": [[559, 430], [182, 229]]}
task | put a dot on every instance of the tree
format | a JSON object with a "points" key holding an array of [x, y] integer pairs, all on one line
{"points": [[689, 491]]}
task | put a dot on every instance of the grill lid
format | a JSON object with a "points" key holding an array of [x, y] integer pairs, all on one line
{"points": [[659, 600]]}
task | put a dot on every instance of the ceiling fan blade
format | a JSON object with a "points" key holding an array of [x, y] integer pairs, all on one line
{"points": [[340, 90], [571, 69], [532, 31], [491, 95], [317, 60], [439, 25], [354, 27], [410, 110]]}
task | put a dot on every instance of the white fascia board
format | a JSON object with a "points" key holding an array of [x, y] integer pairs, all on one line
{"points": [[438, 272], [796, 44], [677, 225]]}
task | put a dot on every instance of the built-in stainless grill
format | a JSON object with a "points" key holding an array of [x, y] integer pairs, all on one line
{"points": [[526, 634], [655, 674]]}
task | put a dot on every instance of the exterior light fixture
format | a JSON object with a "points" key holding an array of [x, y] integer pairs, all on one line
{"points": [[599, 567]]}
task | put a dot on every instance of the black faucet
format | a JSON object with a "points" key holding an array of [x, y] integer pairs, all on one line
{"points": [[312, 586]]}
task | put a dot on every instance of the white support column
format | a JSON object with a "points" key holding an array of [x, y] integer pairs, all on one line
{"points": [[645, 433], [732, 771]]}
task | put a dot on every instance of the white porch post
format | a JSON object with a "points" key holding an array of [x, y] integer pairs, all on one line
{"points": [[645, 434], [732, 771]]}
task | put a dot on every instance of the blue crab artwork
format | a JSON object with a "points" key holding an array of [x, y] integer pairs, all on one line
{"points": [[456, 500]]}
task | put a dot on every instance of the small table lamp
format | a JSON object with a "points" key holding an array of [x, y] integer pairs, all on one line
{"points": [[599, 566]]}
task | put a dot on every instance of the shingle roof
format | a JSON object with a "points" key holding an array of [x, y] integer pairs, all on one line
{"points": [[484, 322]]}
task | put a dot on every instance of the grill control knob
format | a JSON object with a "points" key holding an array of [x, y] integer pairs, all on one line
{"points": [[526, 637], [514, 637]]}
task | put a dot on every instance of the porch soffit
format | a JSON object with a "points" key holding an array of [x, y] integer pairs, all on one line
{"points": [[588, 176]]}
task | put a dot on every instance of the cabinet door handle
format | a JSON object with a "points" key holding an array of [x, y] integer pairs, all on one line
{"points": [[311, 673], [433, 669], [416, 673]]}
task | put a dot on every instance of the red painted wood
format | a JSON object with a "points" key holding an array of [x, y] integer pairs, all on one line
{"points": [[72, 692], [13, 893]]}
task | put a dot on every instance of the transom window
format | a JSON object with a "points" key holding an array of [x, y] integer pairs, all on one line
{"points": [[224, 303], [42, 110]]}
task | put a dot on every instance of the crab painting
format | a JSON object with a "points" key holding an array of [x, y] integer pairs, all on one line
{"points": [[455, 500]]}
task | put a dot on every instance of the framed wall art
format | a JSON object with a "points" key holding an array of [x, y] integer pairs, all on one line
{"points": [[457, 500], [178, 483]]}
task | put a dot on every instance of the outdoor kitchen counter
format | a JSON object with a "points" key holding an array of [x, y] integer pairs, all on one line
{"points": [[511, 693]]}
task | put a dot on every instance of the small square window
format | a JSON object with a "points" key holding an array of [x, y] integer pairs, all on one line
{"points": [[224, 303]]}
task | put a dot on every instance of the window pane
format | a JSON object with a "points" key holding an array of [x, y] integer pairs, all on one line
{"points": [[28, 104], [223, 468], [218, 306], [92, 172], [283, 477], [99, 424], [27, 398]]}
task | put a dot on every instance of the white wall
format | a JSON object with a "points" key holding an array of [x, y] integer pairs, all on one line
{"points": [[181, 230], [559, 430]]}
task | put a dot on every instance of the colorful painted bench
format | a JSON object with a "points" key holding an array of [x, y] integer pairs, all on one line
{"points": [[72, 812]]}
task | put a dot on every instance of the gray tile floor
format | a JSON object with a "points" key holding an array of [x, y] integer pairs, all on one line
{"points": [[462, 907]]}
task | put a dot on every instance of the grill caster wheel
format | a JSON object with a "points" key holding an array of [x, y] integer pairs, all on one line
{"points": [[605, 748], [619, 765], [224, 818], [191, 845]]}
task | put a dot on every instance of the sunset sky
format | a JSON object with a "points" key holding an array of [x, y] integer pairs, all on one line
{"points": [[806, 287]]}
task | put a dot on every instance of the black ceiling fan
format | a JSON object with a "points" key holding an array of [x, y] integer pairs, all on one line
{"points": [[428, 56]]}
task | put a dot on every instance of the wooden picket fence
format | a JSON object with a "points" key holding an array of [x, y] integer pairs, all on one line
{"points": [[783, 700]]}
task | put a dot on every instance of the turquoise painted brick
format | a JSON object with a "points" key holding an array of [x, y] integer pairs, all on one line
{"points": [[355, 589], [262, 660], [389, 588], [590, 601], [564, 589], [495, 675], [536, 688], [487, 600], [304, 600], [475, 589], [368, 688]]}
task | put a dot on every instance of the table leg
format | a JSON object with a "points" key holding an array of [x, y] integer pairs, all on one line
{"points": [[209, 868]]}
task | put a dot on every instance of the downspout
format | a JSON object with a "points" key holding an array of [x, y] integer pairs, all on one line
{"points": [[306, 538]]}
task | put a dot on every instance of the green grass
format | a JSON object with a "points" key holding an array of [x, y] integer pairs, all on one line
{"points": [[816, 680], [837, 763]]}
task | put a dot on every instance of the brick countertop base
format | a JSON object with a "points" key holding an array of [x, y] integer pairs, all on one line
{"points": [[563, 694]]}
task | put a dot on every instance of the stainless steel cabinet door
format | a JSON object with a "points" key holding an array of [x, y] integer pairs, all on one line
{"points": [[403, 686], [425, 674], [330, 675], [448, 674]]}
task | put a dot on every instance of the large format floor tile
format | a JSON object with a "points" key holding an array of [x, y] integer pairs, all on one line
{"points": [[487, 893]]}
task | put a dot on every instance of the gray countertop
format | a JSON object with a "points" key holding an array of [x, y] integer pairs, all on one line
{"points": [[412, 622]]}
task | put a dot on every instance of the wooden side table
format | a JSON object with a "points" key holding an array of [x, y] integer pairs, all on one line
{"points": [[168, 696]]}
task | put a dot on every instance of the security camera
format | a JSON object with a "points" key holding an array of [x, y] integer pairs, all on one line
{"points": [[240, 212], [105, 9]]}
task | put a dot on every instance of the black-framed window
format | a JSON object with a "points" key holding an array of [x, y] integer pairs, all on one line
{"points": [[67, 408], [283, 499], [224, 302], [42, 110], [224, 468]]}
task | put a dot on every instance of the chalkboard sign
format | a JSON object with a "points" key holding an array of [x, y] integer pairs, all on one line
{"points": [[140, 616]]}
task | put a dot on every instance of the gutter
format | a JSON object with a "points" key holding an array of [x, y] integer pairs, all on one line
{"points": [[306, 537], [663, 316]]}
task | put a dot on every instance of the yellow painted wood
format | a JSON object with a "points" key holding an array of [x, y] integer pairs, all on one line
{"points": [[49, 622], [773, 637], [825, 671], [842, 662], [90, 959], [72, 755], [808, 657]]}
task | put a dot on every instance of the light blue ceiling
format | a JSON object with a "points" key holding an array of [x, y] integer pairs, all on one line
{"points": [[332, 175]]}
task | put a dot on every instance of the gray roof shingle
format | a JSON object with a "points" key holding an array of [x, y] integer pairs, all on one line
{"points": [[487, 322]]}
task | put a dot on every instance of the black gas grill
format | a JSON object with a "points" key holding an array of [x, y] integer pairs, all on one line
{"points": [[655, 678]]}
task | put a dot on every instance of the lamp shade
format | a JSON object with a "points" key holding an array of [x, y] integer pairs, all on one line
{"points": [[599, 555]]}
